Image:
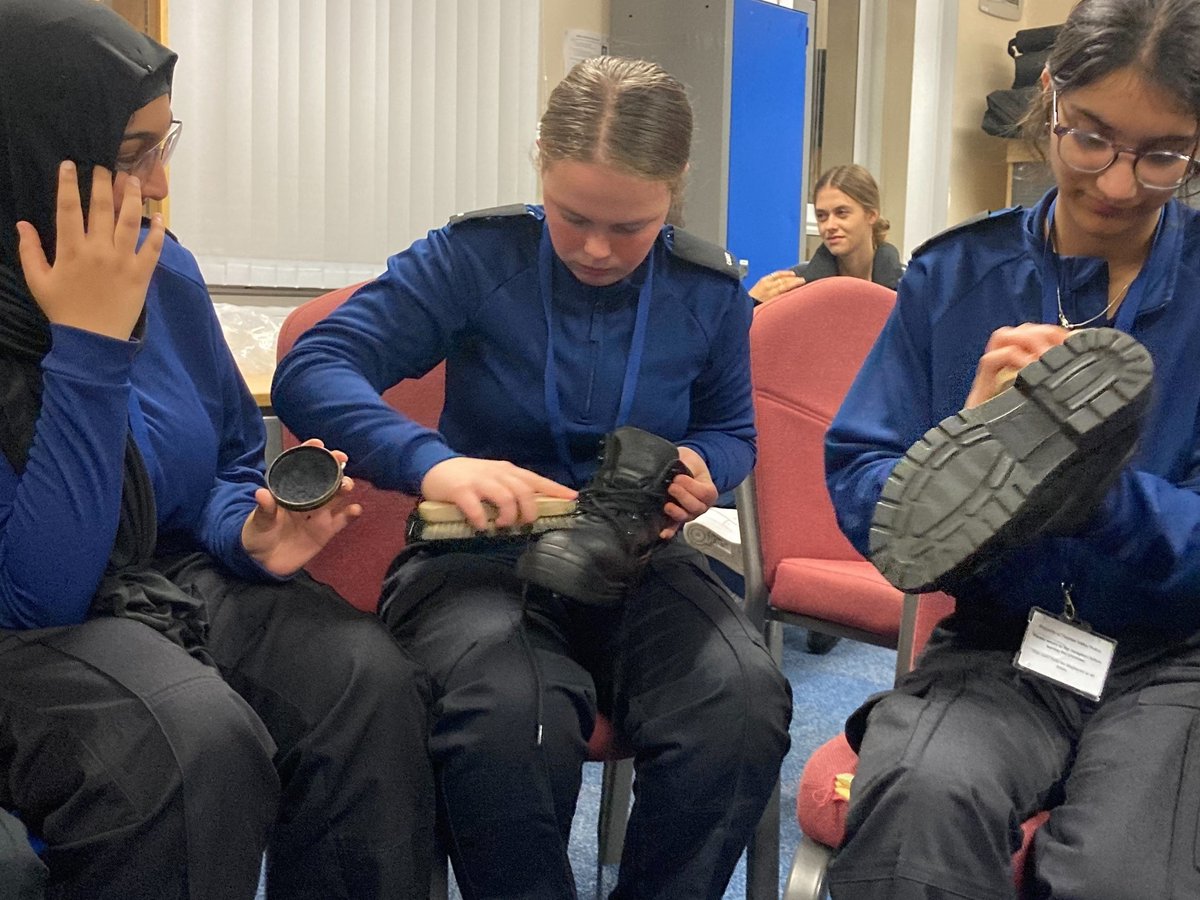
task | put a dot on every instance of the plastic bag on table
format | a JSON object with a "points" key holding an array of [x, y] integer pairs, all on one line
{"points": [[251, 332]]}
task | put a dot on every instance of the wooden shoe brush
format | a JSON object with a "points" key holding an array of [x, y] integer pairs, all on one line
{"points": [[435, 520]]}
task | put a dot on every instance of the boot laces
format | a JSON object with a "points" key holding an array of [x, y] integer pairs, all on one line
{"points": [[617, 506], [621, 507]]}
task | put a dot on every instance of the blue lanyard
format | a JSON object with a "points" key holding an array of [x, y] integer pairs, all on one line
{"points": [[1126, 312], [633, 365]]}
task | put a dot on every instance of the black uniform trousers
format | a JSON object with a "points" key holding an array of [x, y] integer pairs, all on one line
{"points": [[967, 747], [151, 775], [517, 682]]}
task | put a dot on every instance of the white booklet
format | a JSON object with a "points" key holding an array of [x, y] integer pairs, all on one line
{"points": [[716, 534]]}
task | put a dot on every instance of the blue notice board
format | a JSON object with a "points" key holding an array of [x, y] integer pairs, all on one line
{"points": [[766, 206]]}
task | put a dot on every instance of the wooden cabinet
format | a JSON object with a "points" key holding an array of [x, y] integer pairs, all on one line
{"points": [[147, 16]]}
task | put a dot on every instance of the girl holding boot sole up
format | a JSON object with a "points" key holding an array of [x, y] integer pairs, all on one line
{"points": [[1057, 528], [582, 322]]}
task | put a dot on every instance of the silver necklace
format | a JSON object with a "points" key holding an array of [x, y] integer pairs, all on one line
{"points": [[1104, 313]]}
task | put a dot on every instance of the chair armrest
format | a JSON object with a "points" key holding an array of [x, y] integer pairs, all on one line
{"points": [[746, 498], [906, 641]]}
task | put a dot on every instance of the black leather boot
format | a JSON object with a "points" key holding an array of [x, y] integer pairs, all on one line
{"points": [[620, 516], [1034, 460]]}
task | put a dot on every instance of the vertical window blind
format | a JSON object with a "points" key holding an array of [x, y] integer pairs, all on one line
{"points": [[321, 136]]}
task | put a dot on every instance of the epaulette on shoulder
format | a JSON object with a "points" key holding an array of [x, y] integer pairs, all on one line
{"points": [[983, 220], [702, 253], [508, 211]]}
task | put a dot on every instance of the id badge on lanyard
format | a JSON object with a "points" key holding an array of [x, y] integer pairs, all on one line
{"points": [[1066, 651]]}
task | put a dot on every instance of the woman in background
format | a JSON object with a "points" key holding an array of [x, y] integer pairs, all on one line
{"points": [[846, 203], [176, 696]]}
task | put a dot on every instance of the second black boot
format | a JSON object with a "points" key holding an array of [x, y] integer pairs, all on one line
{"points": [[618, 523]]}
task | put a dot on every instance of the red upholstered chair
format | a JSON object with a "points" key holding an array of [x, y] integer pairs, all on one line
{"points": [[806, 348], [821, 810], [356, 560]]}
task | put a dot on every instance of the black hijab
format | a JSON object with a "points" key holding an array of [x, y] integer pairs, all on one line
{"points": [[72, 72]]}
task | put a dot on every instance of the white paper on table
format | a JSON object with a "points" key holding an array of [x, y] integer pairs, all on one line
{"points": [[722, 522]]}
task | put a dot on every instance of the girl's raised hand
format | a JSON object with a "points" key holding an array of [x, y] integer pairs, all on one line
{"points": [[774, 285], [99, 278]]}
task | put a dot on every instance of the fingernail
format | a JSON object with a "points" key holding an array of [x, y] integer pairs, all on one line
{"points": [[133, 180], [68, 166]]}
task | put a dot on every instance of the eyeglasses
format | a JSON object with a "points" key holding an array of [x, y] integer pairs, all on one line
{"points": [[159, 153], [1083, 151]]}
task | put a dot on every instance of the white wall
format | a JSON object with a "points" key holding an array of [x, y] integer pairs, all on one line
{"points": [[558, 17], [978, 171], [892, 171]]}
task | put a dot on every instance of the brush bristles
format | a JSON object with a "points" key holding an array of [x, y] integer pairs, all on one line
{"points": [[436, 520], [449, 531], [439, 511]]}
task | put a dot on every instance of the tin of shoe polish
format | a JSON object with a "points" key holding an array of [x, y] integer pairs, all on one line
{"points": [[304, 477]]}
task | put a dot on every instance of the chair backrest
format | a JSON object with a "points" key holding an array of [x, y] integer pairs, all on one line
{"points": [[805, 349], [355, 561]]}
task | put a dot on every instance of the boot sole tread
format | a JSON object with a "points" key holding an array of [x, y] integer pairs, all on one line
{"points": [[985, 479]]}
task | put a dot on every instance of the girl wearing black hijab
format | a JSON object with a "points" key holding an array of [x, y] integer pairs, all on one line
{"points": [[176, 696]]}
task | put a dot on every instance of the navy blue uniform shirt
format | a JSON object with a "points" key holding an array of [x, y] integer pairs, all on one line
{"points": [[1136, 566], [469, 294]]}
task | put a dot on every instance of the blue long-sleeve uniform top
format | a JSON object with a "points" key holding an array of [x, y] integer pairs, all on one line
{"points": [[1136, 565], [469, 294], [193, 419]]}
